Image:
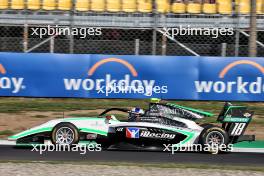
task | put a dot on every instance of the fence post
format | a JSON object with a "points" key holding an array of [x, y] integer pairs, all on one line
{"points": [[236, 13], [137, 44], [71, 47], [52, 45], [237, 41], [253, 30], [164, 45], [223, 51], [25, 38], [154, 35]]}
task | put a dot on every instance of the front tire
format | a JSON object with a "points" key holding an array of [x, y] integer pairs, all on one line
{"points": [[65, 134]]}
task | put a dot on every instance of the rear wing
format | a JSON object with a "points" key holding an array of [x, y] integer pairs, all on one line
{"points": [[234, 114], [235, 120]]}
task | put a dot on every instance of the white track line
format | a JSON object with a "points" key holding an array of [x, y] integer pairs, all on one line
{"points": [[6, 142], [249, 150]]}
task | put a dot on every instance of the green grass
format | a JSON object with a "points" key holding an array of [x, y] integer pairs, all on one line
{"points": [[258, 121], [92, 114], [40, 116], [17, 105], [6, 132]]}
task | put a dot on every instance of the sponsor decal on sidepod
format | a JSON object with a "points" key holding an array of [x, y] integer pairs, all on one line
{"points": [[157, 135], [132, 132]]}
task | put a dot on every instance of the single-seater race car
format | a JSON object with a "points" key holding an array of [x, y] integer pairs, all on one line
{"points": [[151, 129]]}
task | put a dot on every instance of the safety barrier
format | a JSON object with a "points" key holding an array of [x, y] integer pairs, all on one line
{"points": [[117, 76]]}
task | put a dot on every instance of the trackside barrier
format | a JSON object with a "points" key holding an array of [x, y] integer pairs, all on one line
{"points": [[117, 76]]}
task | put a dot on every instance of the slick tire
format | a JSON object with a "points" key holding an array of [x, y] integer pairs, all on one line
{"points": [[213, 135], [65, 134]]}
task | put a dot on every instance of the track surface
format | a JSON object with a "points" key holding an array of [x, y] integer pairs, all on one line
{"points": [[253, 159]]}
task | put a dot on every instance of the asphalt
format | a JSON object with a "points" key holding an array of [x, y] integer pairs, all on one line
{"points": [[25, 154]]}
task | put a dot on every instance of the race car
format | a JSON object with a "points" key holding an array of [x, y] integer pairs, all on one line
{"points": [[151, 129]]}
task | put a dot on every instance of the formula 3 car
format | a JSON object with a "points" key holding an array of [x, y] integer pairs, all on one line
{"points": [[160, 124]]}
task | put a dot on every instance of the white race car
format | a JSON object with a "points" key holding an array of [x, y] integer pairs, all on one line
{"points": [[151, 129]]}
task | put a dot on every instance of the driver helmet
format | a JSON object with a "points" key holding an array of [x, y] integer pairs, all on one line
{"points": [[137, 111]]}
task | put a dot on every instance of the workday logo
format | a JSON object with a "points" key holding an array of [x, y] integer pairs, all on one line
{"points": [[129, 84], [239, 85], [14, 84]]}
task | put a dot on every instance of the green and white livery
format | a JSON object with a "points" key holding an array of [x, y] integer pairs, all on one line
{"points": [[160, 125]]}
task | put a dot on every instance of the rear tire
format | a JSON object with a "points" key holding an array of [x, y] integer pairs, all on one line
{"points": [[65, 134], [214, 136]]}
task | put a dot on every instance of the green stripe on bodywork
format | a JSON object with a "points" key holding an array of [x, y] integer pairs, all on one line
{"points": [[46, 129], [189, 134], [191, 109], [87, 142], [88, 130], [236, 119], [249, 144], [30, 132], [28, 145], [40, 144]]}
